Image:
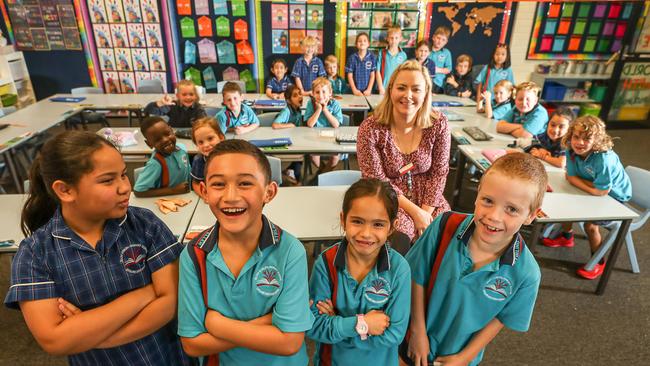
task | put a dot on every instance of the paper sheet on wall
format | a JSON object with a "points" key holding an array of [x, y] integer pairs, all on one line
{"points": [[115, 11], [132, 11], [111, 82], [136, 35], [140, 59], [205, 26], [226, 52], [280, 41], [139, 76], [150, 11], [106, 59], [127, 82], [194, 75], [97, 11], [183, 7], [223, 26], [123, 59], [103, 35], [153, 35], [238, 8], [241, 29], [119, 36], [156, 59], [187, 28], [201, 7], [209, 78], [220, 7], [244, 53], [207, 52], [190, 52], [247, 78], [230, 74]]}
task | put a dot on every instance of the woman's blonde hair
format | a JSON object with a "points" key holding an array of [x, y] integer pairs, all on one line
{"points": [[425, 116], [188, 83], [591, 126]]}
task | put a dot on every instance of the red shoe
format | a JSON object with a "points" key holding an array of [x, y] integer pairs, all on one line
{"points": [[593, 274], [560, 241]]}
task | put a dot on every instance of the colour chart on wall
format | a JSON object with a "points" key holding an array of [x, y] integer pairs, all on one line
{"points": [[129, 42], [579, 30], [374, 19], [44, 25], [214, 41]]}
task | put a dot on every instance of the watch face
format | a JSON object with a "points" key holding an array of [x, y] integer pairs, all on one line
{"points": [[363, 328]]}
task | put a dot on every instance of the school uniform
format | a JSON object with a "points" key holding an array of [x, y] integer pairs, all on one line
{"points": [[333, 106], [534, 121], [278, 86], [604, 170], [361, 69], [289, 115], [179, 115], [273, 280], [164, 171], [496, 75], [198, 168], [387, 287], [465, 83], [387, 63], [227, 119], [339, 86], [499, 110], [463, 301], [431, 67], [441, 59], [56, 262], [308, 72], [543, 141]]}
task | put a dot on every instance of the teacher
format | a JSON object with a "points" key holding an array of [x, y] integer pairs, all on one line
{"points": [[406, 143]]}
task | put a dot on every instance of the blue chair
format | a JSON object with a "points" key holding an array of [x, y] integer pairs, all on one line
{"points": [[276, 169], [212, 111], [136, 174], [339, 178], [266, 119]]}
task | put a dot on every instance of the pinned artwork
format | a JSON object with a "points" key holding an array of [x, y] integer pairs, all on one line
{"points": [[156, 59], [132, 11], [223, 26], [150, 11], [280, 41], [190, 52], [201, 7], [220, 7], [226, 52], [111, 82], [183, 7], [279, 16], [194, 75], [119, 35], [187, 28], [238, 8], [245, 53], [140, 59], [205, 26], [107, 59], [123, 59], [103, 36], [230, 74], [153, 35], [136, 35], [241, 29], [207, 52], [115, 11], [127, 82], [209, 78]]}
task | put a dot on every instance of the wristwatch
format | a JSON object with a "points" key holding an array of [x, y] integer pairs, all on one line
{"points": [[361, 327]]}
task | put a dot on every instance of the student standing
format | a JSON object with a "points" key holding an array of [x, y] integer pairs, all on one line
{"points": [[360, 67]]}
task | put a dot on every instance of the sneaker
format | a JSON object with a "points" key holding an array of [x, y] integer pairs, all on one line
{"points": [[560, 241], [593, 274]]}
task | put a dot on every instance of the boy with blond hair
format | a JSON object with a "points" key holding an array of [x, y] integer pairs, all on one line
{"points": [[389, 58], [528, 118], [307, 67], [339, 86], [441, 57], [482, 257]]}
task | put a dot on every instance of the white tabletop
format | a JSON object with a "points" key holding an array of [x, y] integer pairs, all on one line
{"points": [[13, 203], [375, 99], [308, 213], [141, 148]]}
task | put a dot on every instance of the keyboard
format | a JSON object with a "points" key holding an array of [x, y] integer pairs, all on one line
{"points": [[346, 138], [477, 134]]}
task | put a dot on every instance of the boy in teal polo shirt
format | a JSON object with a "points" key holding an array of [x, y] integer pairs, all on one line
{"points": [[441, 57], [390, 58], [236, 117], [473, 274], [168, 170], [528, 118], [243, 294]]}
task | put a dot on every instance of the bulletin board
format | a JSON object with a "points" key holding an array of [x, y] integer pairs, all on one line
{"points": [[215, 41], [43, 25], [375, 18], [579, 30], [127, 42]]}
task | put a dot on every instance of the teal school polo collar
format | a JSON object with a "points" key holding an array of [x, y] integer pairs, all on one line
{"points": [[271, 235], [383, 261], [512, 253]]}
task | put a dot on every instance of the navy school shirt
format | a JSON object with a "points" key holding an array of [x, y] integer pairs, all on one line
{"points": [[465, 83], [198, 168], [543, 141], [278, 86], [179, 116], [386, 287], [55, 262]]}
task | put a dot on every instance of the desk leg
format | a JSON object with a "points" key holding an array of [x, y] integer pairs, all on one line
{"points": [[306, 167], [458, 181], [11, 165], [534, 236], [613, 254]]}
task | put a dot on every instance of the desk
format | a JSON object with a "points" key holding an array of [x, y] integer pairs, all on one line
{"points": [[308, 213], [12, 204], [375, 99]]}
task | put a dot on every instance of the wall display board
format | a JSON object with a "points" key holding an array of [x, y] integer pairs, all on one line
{"points": [[43, 25], [375, 18], [216, 41], [579, 30], [632, 97], [642, 37], [129, 44], [476, 28]]}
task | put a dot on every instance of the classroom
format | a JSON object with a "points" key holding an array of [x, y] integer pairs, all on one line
{"points": [[324, 182]]}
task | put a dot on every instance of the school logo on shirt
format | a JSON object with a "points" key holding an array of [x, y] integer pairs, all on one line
{"points": [[589, 170], [378, 291], [134, 258], [284, 86], [314, 69], [368, 65], [268, 281], [185, 160], [441, 57], [401, 58], [503, 74], [497, 288]]}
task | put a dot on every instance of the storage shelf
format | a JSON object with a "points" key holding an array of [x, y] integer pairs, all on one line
{"points": [[573, 76]]}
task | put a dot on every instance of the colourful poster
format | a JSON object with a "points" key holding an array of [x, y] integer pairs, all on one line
{"points": [[207, 52], [127, 82], [150, 11], [314, 16], [123, 59], [119, 35], [136, 35], [279, 16], [241, 30], [297, 16], [226, 52], [132, 10], [97, 11], [156, 59], [194, 75], [153, 35], [238, 8], [183, 7], [201, 7], [140, 59], [187, 28], [205, 26], [220, 7], [190, 52], [50, 16], [632, 98], [115, 11], [106, 59], [66, 16], [230, 74], [295, 38], [111, 82], [71, 38], [280, 41], [55, 38], [209, 78], [103, 35], [223, 27]]}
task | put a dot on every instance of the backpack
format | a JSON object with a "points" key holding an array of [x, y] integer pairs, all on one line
{"points": [[164, 176]]}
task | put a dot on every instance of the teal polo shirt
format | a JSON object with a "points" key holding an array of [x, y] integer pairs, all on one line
{"points": [[386, 287], [273, 280], [333, 106], [227, 119], [442, 59], [496, 75], [289, 115], [389, 63], [534, 121], [464, 301], [178, 164], [604, 169], [500, 110]]}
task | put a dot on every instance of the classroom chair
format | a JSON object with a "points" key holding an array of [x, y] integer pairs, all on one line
{"points": [[220, 85], [86, 117], [136, 174], [276, 169], [339, 178], [476, 69], [266, 119], [153, 86], [212, 111]]}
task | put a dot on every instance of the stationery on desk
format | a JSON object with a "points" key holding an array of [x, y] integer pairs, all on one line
{"points": [[449, 103], [276, 142], [67, 99], [269, 103]]}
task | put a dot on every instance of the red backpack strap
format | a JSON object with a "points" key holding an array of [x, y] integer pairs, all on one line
{"points": [[448, 225], [164, 176], [198, 256], [382, 69], [487, 79], [329, 255]]}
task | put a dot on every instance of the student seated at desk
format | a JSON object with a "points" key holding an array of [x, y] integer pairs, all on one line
{"points": [[497, 107], [459, 82], [472, 273], [290, 117], [206, 134], [96, 279], [547, 146], [243, 294], [168, 170], [236, 116], [323, 111], [183, 111], [594, 167], [528, 118]]}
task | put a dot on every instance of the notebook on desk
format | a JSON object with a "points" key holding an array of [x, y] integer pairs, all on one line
{"points": [[282, 141], [452, 116], [270, 103], [67, 99], [446, 103]]}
